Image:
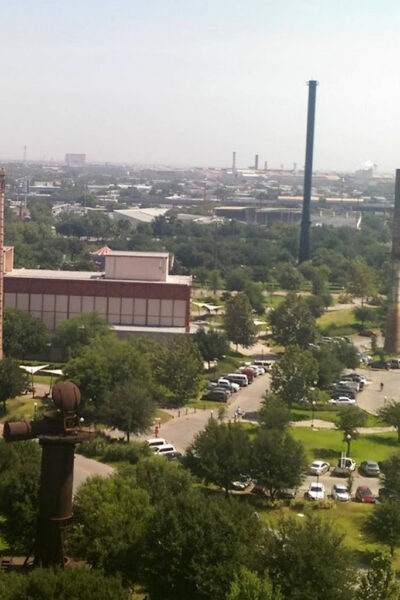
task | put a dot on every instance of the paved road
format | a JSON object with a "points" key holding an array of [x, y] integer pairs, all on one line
{"points": [[86, 467], [181, 430]]}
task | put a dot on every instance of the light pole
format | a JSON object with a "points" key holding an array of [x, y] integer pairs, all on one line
{"points": [[34, 410], [348, 440], [312, 412]]}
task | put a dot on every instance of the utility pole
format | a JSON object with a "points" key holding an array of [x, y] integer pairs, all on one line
{"points": [[2, 191]]}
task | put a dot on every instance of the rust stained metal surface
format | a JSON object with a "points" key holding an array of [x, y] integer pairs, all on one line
{"points": [[58, 433]]}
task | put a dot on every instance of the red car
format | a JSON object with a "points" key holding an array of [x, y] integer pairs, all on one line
{"points": [[364, 494]]}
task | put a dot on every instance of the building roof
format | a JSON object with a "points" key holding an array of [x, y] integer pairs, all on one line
{"points": [[102, 251], [91, 276], [145, 215]]}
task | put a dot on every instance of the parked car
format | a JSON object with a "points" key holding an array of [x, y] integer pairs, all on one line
{"points": [[364, 494], [319, 467], [369, 468], [156, 442], [264, 363], [230, 385], [239, 378], [342, 390], [345, 466], [248, 372], [287, 493], [342, 400], [394, 363], [165, 449], [174, 455], [340, 492], [259, 368], [259, 490], [242, 483], [353, 385], [355, 377], [316, 491], [216, 394]]}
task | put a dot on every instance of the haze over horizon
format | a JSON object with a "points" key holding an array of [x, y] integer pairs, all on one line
{"points": [[184, 83]]}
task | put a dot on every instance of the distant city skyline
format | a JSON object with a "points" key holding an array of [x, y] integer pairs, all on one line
{"points": [[177, 83]]}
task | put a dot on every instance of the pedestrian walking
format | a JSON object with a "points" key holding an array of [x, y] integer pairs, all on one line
{"points": [[381, 386]]}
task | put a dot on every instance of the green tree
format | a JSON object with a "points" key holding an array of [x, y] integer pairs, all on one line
{"points": [[99, 367], [59, 584], [277, 460], [390, 414], [308, 558], [179, 368], [293, 375], [215, 280], [23, 334], [19, 493], [274, 413], [361, 280], [248, 585], [220, 453], [292, 322], [212, 344], [350, 418], [364, 314], [13, 380], [379, 583], [253, 291], [289, 277], [316, 306], [161, 478], [129, 407], [195, 545], [238, 321], [79, 331], [110, 519], [391, 471], [383, 524]]}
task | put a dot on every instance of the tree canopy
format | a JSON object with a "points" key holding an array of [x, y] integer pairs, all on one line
{"points": [[294, 374], [292, 322], [238, 321], [23, 334]]}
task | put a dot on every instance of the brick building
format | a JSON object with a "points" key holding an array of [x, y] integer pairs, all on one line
{"points": [[135, 293]]}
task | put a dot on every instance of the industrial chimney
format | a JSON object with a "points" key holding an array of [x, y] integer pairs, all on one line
{"points": [[256, 162], [392, 338], [233, 162], [304, 252]]}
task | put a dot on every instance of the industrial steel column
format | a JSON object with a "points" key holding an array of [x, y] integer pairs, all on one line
{"points": [[304, 252], [392, 338]]}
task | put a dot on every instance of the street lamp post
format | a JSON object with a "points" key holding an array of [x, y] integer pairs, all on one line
{"points": [[312, 412], [34, 410], [348, 440]]}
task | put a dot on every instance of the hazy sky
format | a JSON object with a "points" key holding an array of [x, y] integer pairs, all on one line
{"points": [[186, 82]]}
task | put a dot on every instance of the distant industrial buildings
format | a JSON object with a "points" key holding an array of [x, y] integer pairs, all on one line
{"points": [[75, 160]]}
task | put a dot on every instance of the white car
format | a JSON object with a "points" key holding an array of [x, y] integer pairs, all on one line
{"points": [[319, 467], [340, 492], [230, 385], [164, 450], [260, 369], [342, 400], [316, 491]]}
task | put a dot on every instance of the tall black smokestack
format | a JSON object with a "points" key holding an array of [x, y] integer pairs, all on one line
{"points": [[304, 252], [392, 338]]}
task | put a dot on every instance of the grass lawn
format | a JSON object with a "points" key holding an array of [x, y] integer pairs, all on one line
{"points": [[273, 301], [302, 414], [348, 517], [340, 318], [23, 408], [203, 405], [328, 444], [163, 416]]}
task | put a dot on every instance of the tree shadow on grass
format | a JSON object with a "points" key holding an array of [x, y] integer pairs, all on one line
{"points": [[382, 440]]}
